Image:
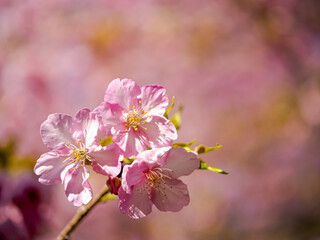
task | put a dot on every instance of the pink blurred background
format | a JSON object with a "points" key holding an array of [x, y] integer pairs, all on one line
{"points": [[246, 72]]}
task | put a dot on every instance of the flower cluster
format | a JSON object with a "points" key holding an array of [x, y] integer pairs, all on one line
{"points": [[133, 118]]}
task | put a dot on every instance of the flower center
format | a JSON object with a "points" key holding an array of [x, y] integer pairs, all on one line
{"points": [[155, 179], [135, 118], [77, 154]]}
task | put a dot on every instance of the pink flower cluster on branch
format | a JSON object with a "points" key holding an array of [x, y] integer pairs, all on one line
{"points": [[152, 179], [134, 118], [74, 142]]}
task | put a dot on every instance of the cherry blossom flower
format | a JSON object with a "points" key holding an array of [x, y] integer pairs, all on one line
{"points": [[134, 116], [74, 142], [152, 179]]}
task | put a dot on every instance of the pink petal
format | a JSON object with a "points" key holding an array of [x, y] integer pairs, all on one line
{"points": [[51, 168], [160, 132], [77, 187], [110, 117], [137, 204], [173, 197], [122, 92], [90, 126], [154, 99], [106, 160], [133, 175], [57, 129], [181, 162], [131, 142], [156, 156]]}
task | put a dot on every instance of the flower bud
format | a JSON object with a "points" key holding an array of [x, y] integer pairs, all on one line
{"points": [[114, 183]]}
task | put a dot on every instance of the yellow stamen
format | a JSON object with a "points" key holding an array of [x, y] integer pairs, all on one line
{"points": [[134, 118]]}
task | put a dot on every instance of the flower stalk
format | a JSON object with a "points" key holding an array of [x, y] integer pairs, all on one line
{"points": [[81, 213]]}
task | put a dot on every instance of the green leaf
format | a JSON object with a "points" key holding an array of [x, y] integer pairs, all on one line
{"points": [[106, 141], [129, 160], [176, 118], [107, 197], [179, 144], [205, 166], [184, 145], [203, 149], [192, 142], [166, 114]]}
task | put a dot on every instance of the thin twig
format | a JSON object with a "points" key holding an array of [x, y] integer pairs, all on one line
{"points": [[81, 213]]}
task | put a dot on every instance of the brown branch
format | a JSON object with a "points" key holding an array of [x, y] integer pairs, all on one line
{"points": [[81, 213]]}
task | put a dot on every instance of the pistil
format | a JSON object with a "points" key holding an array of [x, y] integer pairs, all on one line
{"points": [[77, 154], [135, 118], [155, 179]]}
